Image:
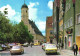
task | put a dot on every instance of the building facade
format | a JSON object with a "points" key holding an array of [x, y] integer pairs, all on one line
{"points": [[77, 26], [66, 22], [49, 29], [69, 24], [60, 22], [54, 22], [54, 18]]}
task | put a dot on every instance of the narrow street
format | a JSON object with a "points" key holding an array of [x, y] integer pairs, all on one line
{"points": [[28, 51]]}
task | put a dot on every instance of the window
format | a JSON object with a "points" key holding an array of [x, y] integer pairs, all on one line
{"points": [[71, 21], [78, 19], [68, 6], [68, 23], [49, 24]]}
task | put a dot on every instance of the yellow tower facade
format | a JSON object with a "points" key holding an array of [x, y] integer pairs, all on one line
{"points": [[24, 14]]}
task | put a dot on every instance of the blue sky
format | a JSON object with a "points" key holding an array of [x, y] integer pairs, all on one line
{"points": [[38, 11]]}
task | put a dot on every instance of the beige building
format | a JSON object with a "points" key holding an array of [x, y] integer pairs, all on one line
{"points": [[25, 18]]}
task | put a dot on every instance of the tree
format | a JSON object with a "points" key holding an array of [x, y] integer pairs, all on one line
{"points": [[21, 33], [13, 33], [5, 29]]}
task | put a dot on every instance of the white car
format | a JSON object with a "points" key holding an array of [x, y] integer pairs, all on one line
{"points": [[25, 44]]}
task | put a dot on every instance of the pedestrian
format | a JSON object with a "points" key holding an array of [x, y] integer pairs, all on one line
{"points": [[58, 46], [31, 44], [62, 45], [75, 49]]}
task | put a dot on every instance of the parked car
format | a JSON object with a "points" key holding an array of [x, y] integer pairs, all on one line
{"points": [[51, 48], [25, 44], [11, 44], [36, 43], [17, 49], [4, 47]]}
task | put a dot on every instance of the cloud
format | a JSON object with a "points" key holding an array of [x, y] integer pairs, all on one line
{"points": [[43, 33], [50, 4], [33, 10], [33, 16], [37, 3], [41, 25], [12, 14], [17, 17]]}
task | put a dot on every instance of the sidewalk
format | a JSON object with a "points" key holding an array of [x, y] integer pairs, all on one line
{"points": [[65, 52]]}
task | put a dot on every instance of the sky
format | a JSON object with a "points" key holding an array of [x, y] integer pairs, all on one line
{"points": [[38, 11]]}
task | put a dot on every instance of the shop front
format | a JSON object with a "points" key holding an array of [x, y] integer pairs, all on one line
{"points": [[69, 38], [70, 41]]}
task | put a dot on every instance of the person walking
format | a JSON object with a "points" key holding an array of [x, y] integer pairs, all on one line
{"points": [[75, 49], [31, 44], [62, 45]]}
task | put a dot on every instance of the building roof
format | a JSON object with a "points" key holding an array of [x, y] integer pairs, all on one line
{"points": [[24, 6], [37, 31]]}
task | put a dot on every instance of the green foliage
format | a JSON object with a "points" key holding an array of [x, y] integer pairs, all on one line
{"points": [[21, 33], [30, 39], [5, 29], [13, 33]]}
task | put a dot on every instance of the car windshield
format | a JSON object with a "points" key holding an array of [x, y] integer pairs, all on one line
{"points": [[16, 47], [11, 44], [51, 46]]}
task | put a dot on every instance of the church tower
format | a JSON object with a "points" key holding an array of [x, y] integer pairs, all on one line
{"points": [[31, 25], [24, 14]]}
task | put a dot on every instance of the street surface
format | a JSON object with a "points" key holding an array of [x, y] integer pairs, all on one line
{"points": [[28, 51]]}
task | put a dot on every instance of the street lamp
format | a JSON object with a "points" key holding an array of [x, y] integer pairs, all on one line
{"points": [[74, 21]]}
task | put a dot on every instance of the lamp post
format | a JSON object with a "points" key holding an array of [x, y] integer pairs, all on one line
{"points": [[74, 20]]}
